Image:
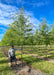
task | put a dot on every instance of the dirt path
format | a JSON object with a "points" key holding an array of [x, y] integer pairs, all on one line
{"points": [[25, 70], [43, 58]]}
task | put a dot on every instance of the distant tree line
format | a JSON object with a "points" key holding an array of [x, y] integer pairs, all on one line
{"points": [[21, 31]]}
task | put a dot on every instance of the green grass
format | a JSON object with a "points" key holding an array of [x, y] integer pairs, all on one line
{"points": [[36, 50], [44, 66], [4, 68]]}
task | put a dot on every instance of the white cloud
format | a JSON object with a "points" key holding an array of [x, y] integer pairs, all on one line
{"points": [[22, 2], [3, 29], [34, 3], [1, 34], [5, 13], [5, 21], [7, 10], [17, 2], [40, 3], [0, 39], [33, 20], [41, 18], [10, 1]]}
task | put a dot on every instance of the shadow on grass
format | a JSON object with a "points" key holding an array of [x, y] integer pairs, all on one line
{"points": [[1, 55], [4, 68], [30, 59], [51, 56], [5, 71], [2, 58], [3, 61]]}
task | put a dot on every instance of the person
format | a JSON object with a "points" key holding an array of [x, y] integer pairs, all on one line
{"points": [[11, 54]]}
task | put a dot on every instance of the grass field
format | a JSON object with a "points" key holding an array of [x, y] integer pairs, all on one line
{"points": [[4, 68], [41, 51], [44, 66]]}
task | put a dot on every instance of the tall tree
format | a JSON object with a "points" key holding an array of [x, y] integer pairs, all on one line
{"points": [[44, 30], [20, 28], [52, 33]]}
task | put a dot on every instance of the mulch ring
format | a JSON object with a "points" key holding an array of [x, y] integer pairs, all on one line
{"points": [[22, 69]]}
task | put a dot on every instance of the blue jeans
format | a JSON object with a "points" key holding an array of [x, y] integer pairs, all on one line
{"points": [[12, 58]]}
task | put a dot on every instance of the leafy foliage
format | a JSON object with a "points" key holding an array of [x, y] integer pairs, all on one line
{"points": [[21, 31]]}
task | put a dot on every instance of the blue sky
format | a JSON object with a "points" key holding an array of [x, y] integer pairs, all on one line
{"points": [[38, 9]]}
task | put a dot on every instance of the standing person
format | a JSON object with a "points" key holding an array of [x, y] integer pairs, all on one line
{"points": [[11, 54]]}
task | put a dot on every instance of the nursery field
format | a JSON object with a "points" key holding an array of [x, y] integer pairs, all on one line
{"points": [[44, 66], [26, 37], [37, 50]]}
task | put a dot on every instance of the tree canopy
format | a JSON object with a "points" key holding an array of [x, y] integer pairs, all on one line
{"points": [[21, 31]]}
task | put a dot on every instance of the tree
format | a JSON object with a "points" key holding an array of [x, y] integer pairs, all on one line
{"points": [[44, 30], [52, 34], [20, 28], [36, 37], [21, 25], [8, 38]]}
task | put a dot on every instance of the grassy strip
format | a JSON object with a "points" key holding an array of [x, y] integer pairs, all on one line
{"points": [[4, 68], [41, 54], [36, 51], [45, 66]]}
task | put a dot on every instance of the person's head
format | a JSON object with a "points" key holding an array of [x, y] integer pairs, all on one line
{"points": [[12, 46]]}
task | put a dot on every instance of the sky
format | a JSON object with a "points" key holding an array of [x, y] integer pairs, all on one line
{"points": [[37, 9]]}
